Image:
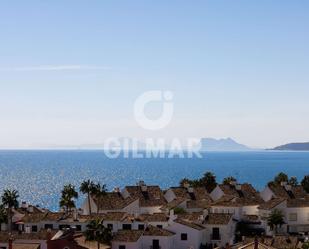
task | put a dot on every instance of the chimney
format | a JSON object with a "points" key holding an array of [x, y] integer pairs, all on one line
{"points": [[205, 213], [233, 183], [288, 187], [75, 215], [30, 209], [190, 190], [256, 243], [11, 242], [24, 205], [117, 190], [144, 188], [141, 183], [186, 185]]}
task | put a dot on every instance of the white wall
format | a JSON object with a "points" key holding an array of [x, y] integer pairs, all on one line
{"points": [[129, 245], [195, 237], [169, 195], [267, 194], [165, 242], [217, 193]]}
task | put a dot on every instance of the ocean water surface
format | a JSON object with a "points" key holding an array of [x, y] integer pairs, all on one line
{"points": [[40, 175]]}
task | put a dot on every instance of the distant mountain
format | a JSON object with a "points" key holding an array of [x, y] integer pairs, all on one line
{"points": [[228, 144], [294, 146]]}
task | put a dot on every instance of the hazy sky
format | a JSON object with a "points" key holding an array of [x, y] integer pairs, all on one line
{"points": [[70, 71]]}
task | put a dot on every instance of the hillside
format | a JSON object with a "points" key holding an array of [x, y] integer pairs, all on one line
{"points": [[294, 146]]}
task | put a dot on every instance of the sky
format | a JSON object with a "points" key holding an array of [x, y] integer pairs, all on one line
{"points": [[70, 71]]}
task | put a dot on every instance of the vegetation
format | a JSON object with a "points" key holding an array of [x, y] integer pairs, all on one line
{"points": [[208, 181], [275, 220], [68, 194], [305, 245], [179, 210], [97, 232], [282, 177], [305, 183], [293, 181], [3, 214], [10, 201], [229, 179]]}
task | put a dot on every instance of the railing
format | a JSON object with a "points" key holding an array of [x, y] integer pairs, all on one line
{"points": [[215, 237]]}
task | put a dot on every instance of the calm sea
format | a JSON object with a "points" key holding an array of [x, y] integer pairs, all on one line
{"points": [[40, 175]]}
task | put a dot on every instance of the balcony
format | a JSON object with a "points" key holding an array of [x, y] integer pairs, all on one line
{"points": [[216, 237]]}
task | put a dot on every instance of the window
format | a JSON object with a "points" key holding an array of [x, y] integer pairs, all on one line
{"points": [[49, 226], [122, 247], [110, 226], [215, 233], [126, 226], [292, 217], [159, 226], [141, 227], [184, 236], [34, 229], [78, 228]]}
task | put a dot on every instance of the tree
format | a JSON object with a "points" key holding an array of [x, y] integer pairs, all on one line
{"points": [[88, 187], [10, 201], [184, 181], [68, 194], [293, 181], [208, 181], [3, 215], [179, 210], [281, 177], [305, 183], [99, 192], [305, 245], [97, 232], [275, 220], [228, 180]]}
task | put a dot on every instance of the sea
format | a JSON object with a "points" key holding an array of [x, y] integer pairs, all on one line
{"points": [[40, 175]]}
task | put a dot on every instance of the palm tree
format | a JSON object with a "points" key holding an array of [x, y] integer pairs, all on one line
{"points": [[3, 215], [9, 200], [97, 232], [209, 181], [228, 180], [88, 187], [305, 183], [99, 192], [68, 195], [275, 220]]}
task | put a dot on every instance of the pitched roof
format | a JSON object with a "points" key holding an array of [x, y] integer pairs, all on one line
{"points": [[296, 196], [278, 241], [26, 245], [190, 224], [198, 193], [117, 216], [155, 231], [294, 193], [113, 201], [268, 205], [218, 219], [127, 235], [246, 196], [40, 235], [156, 217], [153, 196]]}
